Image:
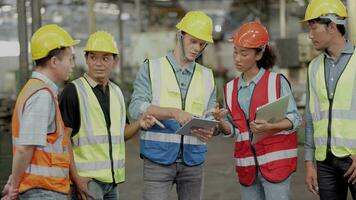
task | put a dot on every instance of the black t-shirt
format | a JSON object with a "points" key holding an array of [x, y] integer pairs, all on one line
{"points": [[69, 106]]}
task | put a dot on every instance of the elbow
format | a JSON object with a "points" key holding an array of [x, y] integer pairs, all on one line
{"points": [[23, 150]]}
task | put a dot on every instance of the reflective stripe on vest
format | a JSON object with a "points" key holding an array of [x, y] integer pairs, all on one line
{"points": [[170, 138], [268, 156], [166, 93], [343, 111], [49, 166], [47, 171], [91, 143]]}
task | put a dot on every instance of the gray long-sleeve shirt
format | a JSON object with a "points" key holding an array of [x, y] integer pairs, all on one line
{"points": [[333, 71]]}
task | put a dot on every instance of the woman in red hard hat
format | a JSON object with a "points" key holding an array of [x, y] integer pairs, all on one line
{"points": [[265, 152]]}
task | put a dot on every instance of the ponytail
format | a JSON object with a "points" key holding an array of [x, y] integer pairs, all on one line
{"points": [[268, 58]]}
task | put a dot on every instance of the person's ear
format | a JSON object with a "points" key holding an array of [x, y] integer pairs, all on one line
{"points": [[331, 27], [258, 55], [53, 61]]}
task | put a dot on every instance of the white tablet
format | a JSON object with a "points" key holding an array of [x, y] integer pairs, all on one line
{"points": [[196, 123], [274, 111]]}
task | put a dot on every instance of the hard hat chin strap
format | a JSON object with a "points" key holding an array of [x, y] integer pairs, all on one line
{"points": [[334, 18], [180, 38]]}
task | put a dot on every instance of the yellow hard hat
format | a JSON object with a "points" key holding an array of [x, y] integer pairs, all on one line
{"points": [[49, 37], [102, 41], [197, 24], [317, 8]]}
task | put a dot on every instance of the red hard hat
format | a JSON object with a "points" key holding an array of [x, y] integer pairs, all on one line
{"points": [[251, 35]]}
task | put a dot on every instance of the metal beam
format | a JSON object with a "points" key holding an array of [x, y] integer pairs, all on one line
{"points": [[121, 38], [36, 14], [91, 17], [282, 18], [22, 33]]}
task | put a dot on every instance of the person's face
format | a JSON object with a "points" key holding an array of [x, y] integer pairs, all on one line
{"points": [[319, 35], [100, 65], [64, 65], [245, 59], [192, 46]]}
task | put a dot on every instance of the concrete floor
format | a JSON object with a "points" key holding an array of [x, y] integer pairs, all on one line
{"points": [[220, 177]]}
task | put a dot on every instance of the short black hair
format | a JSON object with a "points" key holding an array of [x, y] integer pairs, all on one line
{"points": [[341, 28], [53, 53]]}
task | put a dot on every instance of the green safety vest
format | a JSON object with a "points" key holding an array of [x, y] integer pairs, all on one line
{"points": [[92, 143], [343, 110]]}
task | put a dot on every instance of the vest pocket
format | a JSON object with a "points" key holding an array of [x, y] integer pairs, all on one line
{"points": [[197, 108], [60, 160], [154, 145]]}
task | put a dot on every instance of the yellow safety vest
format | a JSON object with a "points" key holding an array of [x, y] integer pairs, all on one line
{"points": [[342, 122], [166, 92], [91, 145]]}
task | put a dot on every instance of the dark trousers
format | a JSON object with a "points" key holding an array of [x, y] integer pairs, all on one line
{"points": [[332, 183]]}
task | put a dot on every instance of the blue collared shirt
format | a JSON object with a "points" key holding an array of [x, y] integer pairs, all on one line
{"points": [[38, 117], [333, 70], [245, 94], [142, 96]]}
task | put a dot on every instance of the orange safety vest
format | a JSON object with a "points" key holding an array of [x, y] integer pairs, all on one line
{"points": [[275, 156], [49, 166]]}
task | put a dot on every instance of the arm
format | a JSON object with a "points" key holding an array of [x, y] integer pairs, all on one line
{"points": [[131, 129], [310, 172], [225, 125], [21, 160]]}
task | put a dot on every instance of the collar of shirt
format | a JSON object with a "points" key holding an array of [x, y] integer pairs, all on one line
{"points": [[91, 82], [176, 66], [94, 84], [255, 79], [44, 78], [348, 49]]}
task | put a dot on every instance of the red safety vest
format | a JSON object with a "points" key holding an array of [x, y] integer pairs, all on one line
{"points": [[274, 156]]}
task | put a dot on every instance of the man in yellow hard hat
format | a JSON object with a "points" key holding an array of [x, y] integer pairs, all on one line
{"points": [[94, 114], [174, 88], [331, 104], [40, 168]]}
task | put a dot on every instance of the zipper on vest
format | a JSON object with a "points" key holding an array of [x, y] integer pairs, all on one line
{"points": [[328, 144], [111, 157]]}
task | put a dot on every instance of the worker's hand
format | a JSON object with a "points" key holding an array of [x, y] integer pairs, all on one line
{"points": [[311, 177], [182, 117], [219, 113], [351, 172], [12, 194], [6, 188], [147, 121], [81, 186], [8, 191], [203, 134], [260, 126]]}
